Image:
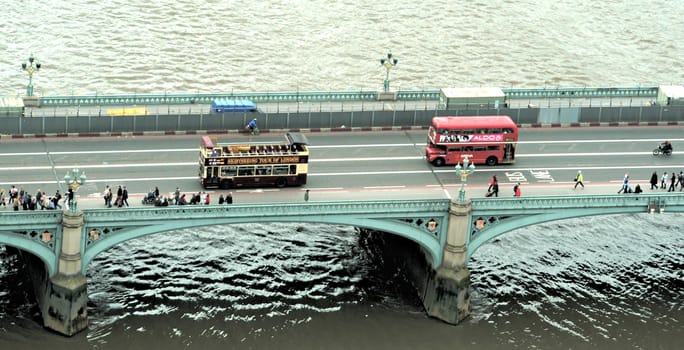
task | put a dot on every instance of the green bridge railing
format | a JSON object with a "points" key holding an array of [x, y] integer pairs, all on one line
{"points": [[334, 96]]}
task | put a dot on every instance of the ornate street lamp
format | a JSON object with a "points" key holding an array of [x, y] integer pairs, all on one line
{"points": [[464, 171], [31, 66], [73, 182], [388, 62]]}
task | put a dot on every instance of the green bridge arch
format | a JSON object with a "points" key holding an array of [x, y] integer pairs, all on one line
{"points": [[508, 214], [36, 232], [408, 219]]}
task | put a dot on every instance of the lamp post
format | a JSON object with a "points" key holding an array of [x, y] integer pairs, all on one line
{"points": [[31, 66], [464, 171], [388, 63], [73, 181]]}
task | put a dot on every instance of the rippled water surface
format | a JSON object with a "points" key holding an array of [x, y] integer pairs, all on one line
{"points": [[581, 283], [138, 46]]}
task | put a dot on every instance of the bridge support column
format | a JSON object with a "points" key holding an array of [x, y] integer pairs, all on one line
{"points": [[65, 295], [447, 295]]}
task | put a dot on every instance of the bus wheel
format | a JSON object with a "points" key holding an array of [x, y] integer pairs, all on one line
{"points": [[281, 182], [226, 183], [438, 161], [492, 161]]}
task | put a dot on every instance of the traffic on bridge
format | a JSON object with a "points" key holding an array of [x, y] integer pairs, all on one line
{"points": [[347, 166]]}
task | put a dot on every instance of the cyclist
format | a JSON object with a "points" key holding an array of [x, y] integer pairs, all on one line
{"points": [[252, 125], [666, 147]]}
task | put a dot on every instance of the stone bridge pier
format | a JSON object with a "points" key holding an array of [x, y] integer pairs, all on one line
{"points": [[63, 297], [447, 292]]}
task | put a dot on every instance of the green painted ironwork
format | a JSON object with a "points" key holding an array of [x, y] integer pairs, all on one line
{"points": [[334, 96], [581, 92], [24, 230], [423, 221], [506, 214], [406, 218]]}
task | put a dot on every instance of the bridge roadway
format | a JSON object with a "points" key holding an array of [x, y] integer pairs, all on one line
{"points": [[348, 166], [305, 107]]}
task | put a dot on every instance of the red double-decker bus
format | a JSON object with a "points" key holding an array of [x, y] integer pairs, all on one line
{"points": [[487, 140]]}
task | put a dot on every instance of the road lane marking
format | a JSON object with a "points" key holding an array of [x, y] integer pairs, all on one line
{"points": [[382, 187]]}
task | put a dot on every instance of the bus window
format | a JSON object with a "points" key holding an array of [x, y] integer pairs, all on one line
{"points": [[507, 131], [468, 132], [227, 171], [495, 131], [246, 171], [263, 170], [481, 131], [456, 131], [280, 170], [493, 148]]}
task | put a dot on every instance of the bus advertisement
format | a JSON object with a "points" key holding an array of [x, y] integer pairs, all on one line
{"points": [[487, 140], [235, 165]]}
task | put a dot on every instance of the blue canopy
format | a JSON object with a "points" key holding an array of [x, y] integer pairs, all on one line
{"points": [[223, 105]]}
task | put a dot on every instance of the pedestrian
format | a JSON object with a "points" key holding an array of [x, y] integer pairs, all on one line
{"points": [[495, 188], [306, 196], [491, 183], [124, 196], [156, 192], [637, 189], [681, 180], [39, 198], [15, 203], [69, 197], [107, 195], [207, 200], [625, 185], [654, 180], [516, 190], [25, 200], [176, 195], [673, 180], [56, 199], [221, 199], [579, 178], [2, 198], [229, 198], [663, 180]]}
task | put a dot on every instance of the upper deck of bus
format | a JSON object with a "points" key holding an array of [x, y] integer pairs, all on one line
{"points": [[473, 125], [296, 143], [473, 122]]}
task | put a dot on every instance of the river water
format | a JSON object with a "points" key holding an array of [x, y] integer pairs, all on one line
{"points": [[136, 46], [603, 282]]}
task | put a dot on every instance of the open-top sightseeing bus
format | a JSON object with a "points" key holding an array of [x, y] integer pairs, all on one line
{"points": [[487, 140], [234, 165]]}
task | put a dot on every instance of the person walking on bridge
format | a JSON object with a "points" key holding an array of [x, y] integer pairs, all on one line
{"points": [[579, 178], [673, 180], [654, 180], [625, 185]]}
